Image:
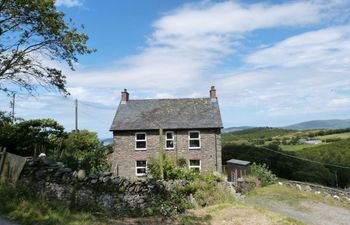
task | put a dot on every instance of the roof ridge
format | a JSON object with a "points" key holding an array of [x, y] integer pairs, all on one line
{"points": [[149, 99]]}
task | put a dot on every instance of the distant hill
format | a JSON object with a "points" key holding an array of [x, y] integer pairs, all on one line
{"points": [[107, 141], [256, 133], [234, 129], [320, 124]]}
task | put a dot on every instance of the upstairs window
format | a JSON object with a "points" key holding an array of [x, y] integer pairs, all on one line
{"points": [[169, 140], [194, 140], [140, 141], [195, 164], [141, 167]]}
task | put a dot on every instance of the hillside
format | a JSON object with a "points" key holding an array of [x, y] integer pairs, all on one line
{"points": [[233, 129], [280, 149], [320, 124], [307, 125]]}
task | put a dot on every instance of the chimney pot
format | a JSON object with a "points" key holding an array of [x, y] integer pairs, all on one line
{"points": [[125, 96], [212, 92]]}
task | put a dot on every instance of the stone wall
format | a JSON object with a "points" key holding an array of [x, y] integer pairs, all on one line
{"points": [[125, 155], [119, 195]]}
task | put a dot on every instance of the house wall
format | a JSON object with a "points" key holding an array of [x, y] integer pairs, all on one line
{"points": [[125, 155]]}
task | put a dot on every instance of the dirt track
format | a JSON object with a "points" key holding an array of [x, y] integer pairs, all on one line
{"points": [[306, 211]]}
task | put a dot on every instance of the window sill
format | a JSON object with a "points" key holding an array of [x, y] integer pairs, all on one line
{"points": [[196, 148], [140, 149], [141, 175]]}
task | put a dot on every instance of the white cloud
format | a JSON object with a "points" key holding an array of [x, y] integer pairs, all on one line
{"points": [[192, 40], [327, 49], [69, 3], [230, 17], [183, 55], [340, 102]]}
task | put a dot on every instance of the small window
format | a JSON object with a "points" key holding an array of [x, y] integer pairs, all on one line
{"points": [[169, 140], [141, 167], [140, 141], [195, 164], [194, 140]]}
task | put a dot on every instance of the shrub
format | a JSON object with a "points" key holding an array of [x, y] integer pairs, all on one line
{"points": [[171, 170], [206, 193], [176, 170], [263, 174]]}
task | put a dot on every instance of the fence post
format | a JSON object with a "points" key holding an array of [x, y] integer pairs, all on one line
{"points": [[2, 158]]}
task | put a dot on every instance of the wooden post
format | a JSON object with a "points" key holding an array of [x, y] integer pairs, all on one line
{"points": [[161, 153], [2, 158]]}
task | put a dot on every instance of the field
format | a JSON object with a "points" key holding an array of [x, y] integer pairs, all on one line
{"points": [[272, 146]]}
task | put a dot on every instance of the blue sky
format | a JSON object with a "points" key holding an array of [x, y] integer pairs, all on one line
{"points": [[273, 62]]}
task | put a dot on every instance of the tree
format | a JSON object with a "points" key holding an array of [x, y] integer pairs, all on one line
{"points": [[30, 137], [81, 143], [85, 151], [38, 135], [30, 32]]}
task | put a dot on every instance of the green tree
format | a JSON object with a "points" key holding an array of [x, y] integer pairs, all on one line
{"points": [[31, 136], [83, 150], [38, 135], [30, 31], [78, 144]]}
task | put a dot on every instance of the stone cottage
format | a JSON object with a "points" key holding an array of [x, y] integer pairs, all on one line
{"points": [[191, 129]]}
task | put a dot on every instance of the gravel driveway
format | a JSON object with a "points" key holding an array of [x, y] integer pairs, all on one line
{"points": [[306, 211]]}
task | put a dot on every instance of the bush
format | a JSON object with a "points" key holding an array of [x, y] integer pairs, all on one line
{"points": [[171, 169], [263, 174], [206, 193], [176, 170], [85, 151]]}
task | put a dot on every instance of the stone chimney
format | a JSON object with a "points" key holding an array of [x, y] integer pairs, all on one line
{"points": [[212, 92], [125, 96]]}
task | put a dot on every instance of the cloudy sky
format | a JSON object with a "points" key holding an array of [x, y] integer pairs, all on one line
{"points": [[273, 62]]}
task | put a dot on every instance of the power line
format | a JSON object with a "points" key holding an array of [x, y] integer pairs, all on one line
{"points": [[303, 159], [92, 117]]}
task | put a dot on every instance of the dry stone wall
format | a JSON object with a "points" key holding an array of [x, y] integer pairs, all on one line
{"points": [[103, 191]]}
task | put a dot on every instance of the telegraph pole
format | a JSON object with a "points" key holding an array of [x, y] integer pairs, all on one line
{"points": [[13, 107], [76, 115]]}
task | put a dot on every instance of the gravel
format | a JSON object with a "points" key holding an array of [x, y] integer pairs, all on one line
{"points": [[306, 211]]}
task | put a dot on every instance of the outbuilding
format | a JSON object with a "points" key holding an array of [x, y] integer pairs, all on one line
{"points": [[237, 169]]}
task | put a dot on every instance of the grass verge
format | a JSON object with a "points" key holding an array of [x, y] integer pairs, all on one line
{"points": [[293, 196], [20, 205]]}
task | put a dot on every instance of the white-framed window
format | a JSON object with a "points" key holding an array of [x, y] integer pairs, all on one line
{"points": [[195, 164], [169, 140], [194, 140], [140, 141], [141, 167]]}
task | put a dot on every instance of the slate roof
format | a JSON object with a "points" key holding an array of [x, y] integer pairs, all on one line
{"points": [[238, 162], [149, 114]]}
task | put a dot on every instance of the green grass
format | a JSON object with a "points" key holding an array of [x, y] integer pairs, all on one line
{"points": [[292, 196], [257, 133], [191, 219], [334, 153], [334, 136], [297, 147], [26, 208]]}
